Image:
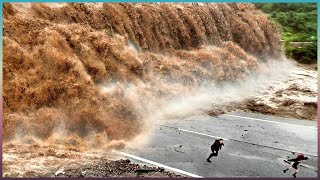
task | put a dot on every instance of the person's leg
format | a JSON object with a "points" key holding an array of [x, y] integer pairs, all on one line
{"points": [[210, 156], [295, 166], [217, 153], [295, 173], [287, 169]]}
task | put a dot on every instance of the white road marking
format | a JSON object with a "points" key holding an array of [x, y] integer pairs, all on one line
{"points": [[160, 165], [202, 134], [236, 140], [269, 121]]}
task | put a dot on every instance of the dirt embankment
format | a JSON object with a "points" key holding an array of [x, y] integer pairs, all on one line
{"points": [[31, 160], [119, 168]]}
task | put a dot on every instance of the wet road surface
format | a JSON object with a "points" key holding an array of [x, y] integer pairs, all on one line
{"points": [[255, 145]]}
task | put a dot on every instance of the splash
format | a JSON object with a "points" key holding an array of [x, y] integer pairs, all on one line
{"points": [[93, 75]]}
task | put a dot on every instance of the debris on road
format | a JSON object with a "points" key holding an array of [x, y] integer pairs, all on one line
{"points": [[119, 168], [178, 149]]}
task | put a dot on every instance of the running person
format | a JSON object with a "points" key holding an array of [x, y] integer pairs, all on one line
{"points": [[215, 147], [296, 161]]}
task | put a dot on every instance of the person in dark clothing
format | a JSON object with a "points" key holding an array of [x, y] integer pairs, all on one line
{"points": [[296, 161], [215, 147]]}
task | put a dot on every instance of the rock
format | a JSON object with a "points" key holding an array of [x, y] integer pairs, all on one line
{"points": [[60, 171], [288, 102], [312, 104], [144, 170]]}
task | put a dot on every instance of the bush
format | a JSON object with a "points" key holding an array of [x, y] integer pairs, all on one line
{"points": [[299, 24], [305, 55]]}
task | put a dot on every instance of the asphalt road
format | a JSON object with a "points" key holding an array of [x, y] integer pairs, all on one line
{"points": [[255, 145]]}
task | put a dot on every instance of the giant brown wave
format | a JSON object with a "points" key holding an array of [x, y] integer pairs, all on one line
{"points": [[93, 72]]}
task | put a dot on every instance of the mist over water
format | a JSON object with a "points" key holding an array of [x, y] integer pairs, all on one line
{"points": [[92, 75]]}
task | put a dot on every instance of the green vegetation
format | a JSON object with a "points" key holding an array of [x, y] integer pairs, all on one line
{"points": [[298, 24]]}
